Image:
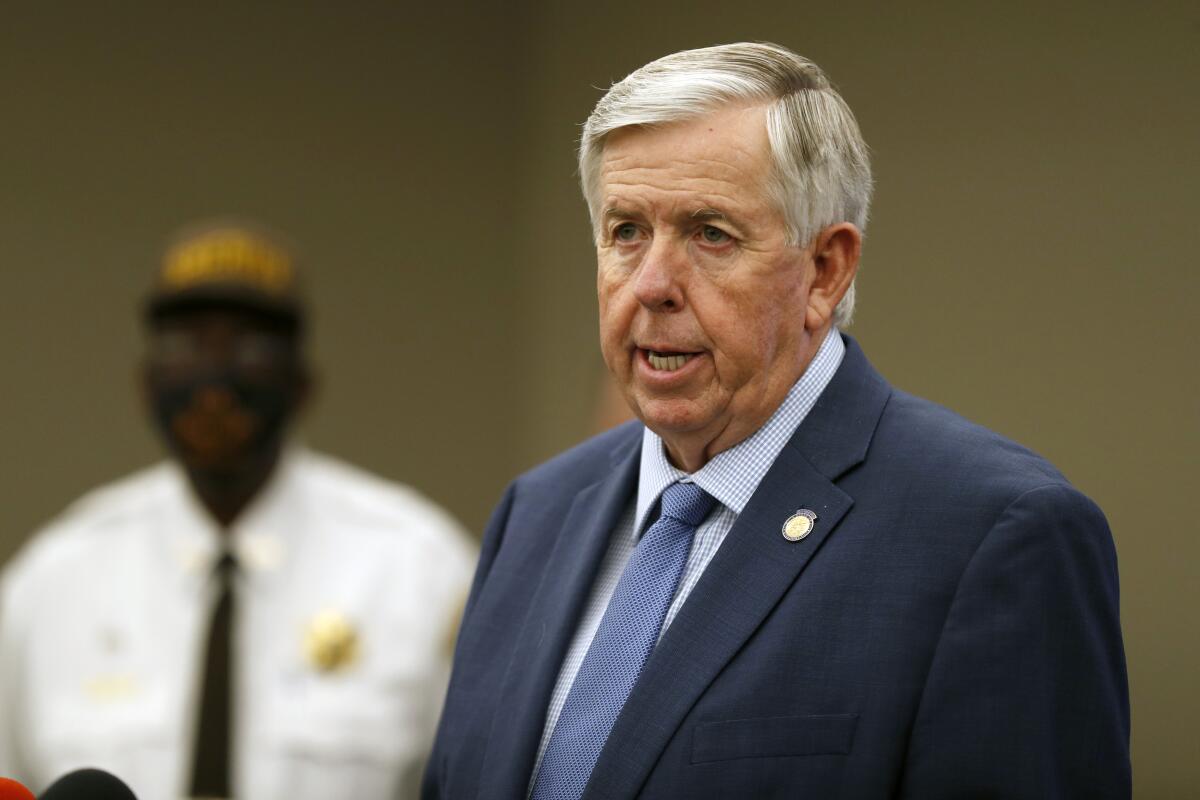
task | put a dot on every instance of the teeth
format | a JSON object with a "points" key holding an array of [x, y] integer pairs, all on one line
{"points": [[665, 362]]}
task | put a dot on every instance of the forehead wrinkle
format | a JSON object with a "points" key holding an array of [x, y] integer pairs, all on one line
{"points": [[748, 174], [677, 209], [741, 156], [652, 184], [685, 205], [703, 189]]}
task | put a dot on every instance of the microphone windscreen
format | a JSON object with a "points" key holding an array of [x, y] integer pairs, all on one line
{"points": [[11, 790], [92, 784]]}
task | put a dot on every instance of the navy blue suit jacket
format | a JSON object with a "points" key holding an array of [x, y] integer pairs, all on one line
{"points": [[948, 630]]}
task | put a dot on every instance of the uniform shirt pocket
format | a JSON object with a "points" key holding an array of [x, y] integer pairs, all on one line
{"points": [[767, 737], [341, 735], [351, 721]]}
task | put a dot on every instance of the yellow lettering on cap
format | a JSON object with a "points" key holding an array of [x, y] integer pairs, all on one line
{"points": [[228, 257]]}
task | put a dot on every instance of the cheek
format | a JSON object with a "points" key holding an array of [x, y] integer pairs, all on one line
{"points": [[747, 335], [731, 319], [609, 277], [615, 308]]}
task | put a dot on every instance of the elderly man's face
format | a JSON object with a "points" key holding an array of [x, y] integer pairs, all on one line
{"points": [[703, 303]]}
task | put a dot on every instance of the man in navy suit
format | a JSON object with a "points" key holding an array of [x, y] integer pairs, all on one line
{"points": [[789, 579]]}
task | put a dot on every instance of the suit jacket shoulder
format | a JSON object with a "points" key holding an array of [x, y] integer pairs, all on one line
{"points": [[923, 435], [586, 462]]}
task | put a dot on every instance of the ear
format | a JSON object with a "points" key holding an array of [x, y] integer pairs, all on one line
{"points": [[835, 253]]}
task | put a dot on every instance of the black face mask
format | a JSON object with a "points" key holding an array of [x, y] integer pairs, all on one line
{"points": [[220, 422]]}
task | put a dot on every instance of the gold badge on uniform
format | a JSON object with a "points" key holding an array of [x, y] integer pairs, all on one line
{"points": [[799, 525], [330, 642]]}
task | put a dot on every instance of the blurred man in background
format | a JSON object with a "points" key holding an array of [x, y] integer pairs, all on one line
{"points": [[249, 619]]}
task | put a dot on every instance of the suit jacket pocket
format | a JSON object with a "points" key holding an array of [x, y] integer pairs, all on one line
{"points": [[825, 734]]}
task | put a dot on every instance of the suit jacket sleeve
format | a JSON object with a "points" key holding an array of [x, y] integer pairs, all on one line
{"points": [[492, 537], [1027, 694]]}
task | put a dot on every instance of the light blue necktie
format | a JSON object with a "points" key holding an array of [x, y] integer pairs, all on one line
{"points": [[627, 633]]}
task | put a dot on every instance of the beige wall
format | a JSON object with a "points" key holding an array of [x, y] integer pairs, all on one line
{"points": [[1028, 262]]}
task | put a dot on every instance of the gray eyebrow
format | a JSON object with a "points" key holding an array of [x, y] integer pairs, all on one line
{"points": [[701, 214], [709, 214]]}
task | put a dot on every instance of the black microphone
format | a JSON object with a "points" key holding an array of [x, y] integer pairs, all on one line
{"points": [[88, 784]]}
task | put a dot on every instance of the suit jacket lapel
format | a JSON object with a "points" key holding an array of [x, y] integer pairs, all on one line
{"points": [[749, 574], [551, 622]]}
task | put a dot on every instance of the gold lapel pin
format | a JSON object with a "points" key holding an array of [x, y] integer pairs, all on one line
{"points": [[330, 642], [799, 525]]}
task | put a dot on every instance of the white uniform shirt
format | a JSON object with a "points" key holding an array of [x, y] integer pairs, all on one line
{"points": [[104, 616]]}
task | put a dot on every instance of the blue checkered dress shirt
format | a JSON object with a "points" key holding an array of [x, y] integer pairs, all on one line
{"points": [[731, 477]]}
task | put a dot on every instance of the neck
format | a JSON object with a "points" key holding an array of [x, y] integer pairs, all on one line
{"points": [[225, 494], [691, 456]]}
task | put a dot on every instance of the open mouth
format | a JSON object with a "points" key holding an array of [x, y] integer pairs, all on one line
{"points": [[667, 362]]}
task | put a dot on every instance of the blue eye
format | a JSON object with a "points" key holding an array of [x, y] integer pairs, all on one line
{"points": [[714, 235], [625, 232]]}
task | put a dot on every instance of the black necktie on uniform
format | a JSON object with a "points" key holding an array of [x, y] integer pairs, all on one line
{"points": [[210, 768]]}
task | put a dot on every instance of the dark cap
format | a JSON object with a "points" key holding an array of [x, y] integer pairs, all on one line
{"points": [[228, 265]]}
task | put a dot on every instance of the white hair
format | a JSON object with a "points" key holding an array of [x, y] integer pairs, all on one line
{"points": [[822, 172]]}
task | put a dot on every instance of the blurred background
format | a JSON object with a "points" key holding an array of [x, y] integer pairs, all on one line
{"points": [[1029, 262]]}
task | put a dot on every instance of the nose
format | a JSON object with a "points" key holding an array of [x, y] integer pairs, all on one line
{"points": [[658, 284], [214, 399]]}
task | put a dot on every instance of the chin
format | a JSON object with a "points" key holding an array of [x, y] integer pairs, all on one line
{"points": [[670, 416], [216, 464]]}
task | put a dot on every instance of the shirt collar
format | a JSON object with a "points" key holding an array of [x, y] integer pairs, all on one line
{"points": [[732, 476], [257, 537]]}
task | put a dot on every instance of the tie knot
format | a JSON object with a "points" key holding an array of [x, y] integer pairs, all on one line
{"points": [[225, 565], [687, 503]]}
